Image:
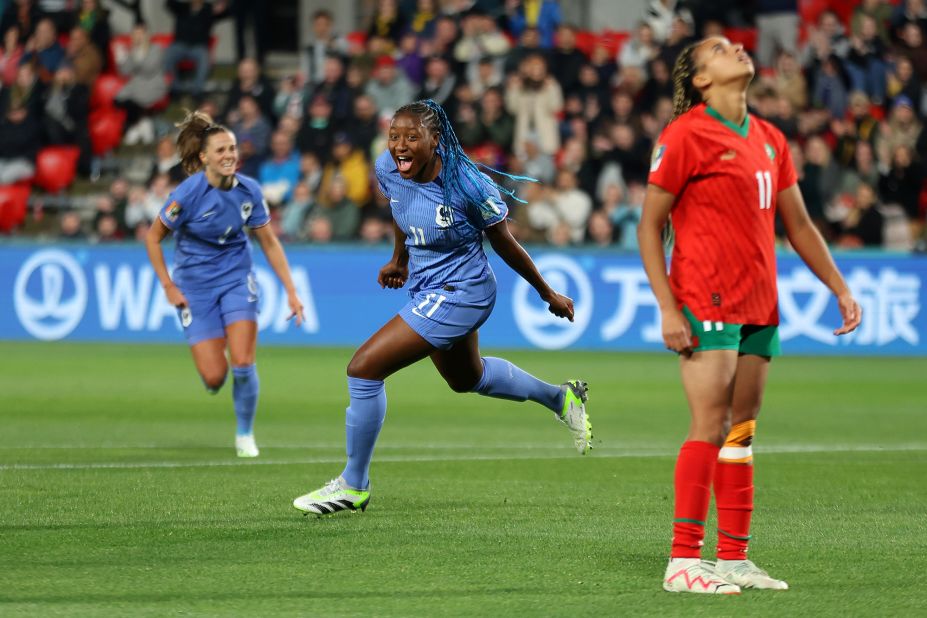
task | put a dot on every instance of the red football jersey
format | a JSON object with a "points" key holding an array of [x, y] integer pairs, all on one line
{"points": [[725, 179]]}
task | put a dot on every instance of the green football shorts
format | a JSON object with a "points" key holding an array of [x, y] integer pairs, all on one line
{"points": [[745, 338]]}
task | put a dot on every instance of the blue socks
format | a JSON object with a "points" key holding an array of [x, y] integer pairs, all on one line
{"points": [[363, 420], [503, 380], [245, 395]]}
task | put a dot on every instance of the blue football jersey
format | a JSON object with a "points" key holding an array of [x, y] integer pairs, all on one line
{"points": [[212, 247], [444, 240]]}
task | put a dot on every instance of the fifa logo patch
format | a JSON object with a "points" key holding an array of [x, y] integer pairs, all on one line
{"points": [[770, 152], [443, 216], [246, 209], [173, 211], [493, 209], [657, 158]]}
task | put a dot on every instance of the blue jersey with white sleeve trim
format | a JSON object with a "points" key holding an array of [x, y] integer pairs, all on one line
{"points": [[212, 246], [444, 240]]}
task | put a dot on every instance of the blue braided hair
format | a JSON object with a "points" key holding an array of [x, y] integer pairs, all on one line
{"points": [[459, 174]]}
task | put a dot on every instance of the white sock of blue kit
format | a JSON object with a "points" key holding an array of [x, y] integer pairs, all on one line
{"points": [[245, 388], [503, 380], [363, 420]]}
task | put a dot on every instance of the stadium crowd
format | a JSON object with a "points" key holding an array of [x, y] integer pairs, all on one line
{"points": [[528, 93]]}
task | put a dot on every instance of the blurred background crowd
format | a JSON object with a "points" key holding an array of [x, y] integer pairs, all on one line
{"points": [[87, 111]]}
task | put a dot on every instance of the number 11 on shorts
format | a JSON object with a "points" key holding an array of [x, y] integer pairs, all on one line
{"points": [[436, 299]]}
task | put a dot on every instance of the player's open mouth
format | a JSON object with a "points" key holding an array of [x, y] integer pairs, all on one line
{"points": [[228, 166], [404, 164]]}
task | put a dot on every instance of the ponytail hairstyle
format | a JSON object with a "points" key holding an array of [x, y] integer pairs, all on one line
{"points": [[685, 94], [460, 176], [195, 129]]}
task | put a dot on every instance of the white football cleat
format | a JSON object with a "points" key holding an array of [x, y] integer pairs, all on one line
{"points": [[694, 575], [246, 447], [747, 575]]}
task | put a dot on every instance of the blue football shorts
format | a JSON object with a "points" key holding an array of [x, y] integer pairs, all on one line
{"points": [[445, 315], [210, 311]]}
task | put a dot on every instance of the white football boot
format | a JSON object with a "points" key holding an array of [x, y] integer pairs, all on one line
{"points": [[694, 575], [747, 575], [246, 447]]}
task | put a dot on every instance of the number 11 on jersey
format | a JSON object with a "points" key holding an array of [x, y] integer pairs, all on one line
{"points": [[418, 235], [764, 185]]}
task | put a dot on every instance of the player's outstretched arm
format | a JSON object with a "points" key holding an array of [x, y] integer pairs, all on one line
{"points": [[503, 243], [658, 203], [395, 272], [272, 248], [156, 233], [810, 246]]}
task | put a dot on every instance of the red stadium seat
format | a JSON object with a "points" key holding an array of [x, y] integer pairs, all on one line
{"points": [[106, 129], [104, 91], [13, 205], [55, 167]]}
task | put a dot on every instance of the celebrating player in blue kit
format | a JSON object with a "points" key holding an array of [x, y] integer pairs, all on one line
{"points": [[212, 284], [441, 204]]}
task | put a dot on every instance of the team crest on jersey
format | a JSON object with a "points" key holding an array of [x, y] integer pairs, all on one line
{"points": [[443, 216], [657, 158], [493, 210], [246, 209], [173, 211], [770, 152]]}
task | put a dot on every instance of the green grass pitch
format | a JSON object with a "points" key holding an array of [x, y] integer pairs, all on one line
{"points": [[120, 494]]}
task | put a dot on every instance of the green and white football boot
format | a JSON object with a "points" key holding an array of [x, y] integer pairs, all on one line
{"points": [[333, 497]]}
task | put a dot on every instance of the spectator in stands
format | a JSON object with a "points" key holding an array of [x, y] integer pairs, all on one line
{"points": [[65, 114], [10, 55], [830, 91], [541, 15], [901, 183], [253, 131], [250, 82], [325, 42], [84, 57], [410, 60], [137, 218], [820, 164], [43, 50], [342, 214], [878, 10], [659, 16], [335, 89], [908, 12], [901, 81], [529, 44], [296, 211], [193, 24], [439, 82], [565, 60], [422, 20], [351, 165], [659, 84], [315, 134], [790, 81], [600, 231], [94, 19], [167, 161], [365, 124], [289, 102], [105, 220], [159, 189], [319, 230], [864, 63], [374, 230], [777, 29], [911, 46], [497, 124], [681, 34], [487, 73], [863, 170], [24, 14], [534, 98], [143, 64], [534, 162], [641, 49], [253, 13], [481, 39], [22, 136], [27, 91], [903, 128], [862, 226], [389, 88], [386, 21], [631, 151], [70, 226], [572, 205], [279, 174], [444, 39]]}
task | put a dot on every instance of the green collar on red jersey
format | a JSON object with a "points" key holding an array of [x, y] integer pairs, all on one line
{"points": [[742, 130]]}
